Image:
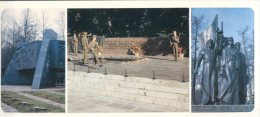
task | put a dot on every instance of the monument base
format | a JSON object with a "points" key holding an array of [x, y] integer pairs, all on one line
{"points": [[222, 108]]}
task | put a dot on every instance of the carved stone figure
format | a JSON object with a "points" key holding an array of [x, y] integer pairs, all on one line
{"points": [[242, 77], [84, 42], [208, 74], [93, 46], [228, 89], [75, 44], [175, 44]]}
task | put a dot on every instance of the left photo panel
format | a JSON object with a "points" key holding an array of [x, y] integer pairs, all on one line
{"points": [[33, 60]]}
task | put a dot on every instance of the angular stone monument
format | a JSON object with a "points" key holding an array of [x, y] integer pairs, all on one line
{"points": [[39, 63]]}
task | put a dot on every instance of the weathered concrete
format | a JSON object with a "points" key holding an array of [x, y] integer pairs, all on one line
{"points": [[41, 67]]}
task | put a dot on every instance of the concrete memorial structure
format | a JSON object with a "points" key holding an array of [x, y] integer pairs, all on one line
{"points": [[126, 64], [39, 63]]}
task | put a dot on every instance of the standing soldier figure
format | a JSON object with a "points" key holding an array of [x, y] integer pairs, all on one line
{"points": [[84, 42], [175, 44], [93, 46], [75, 44]]}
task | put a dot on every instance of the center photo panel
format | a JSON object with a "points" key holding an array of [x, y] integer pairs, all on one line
{"points": [[128, 60]]}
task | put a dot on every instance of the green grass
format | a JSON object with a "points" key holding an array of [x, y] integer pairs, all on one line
{"points": [[27, 108], [48, 95]]}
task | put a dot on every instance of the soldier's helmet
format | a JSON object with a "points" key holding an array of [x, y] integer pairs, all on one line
{"points": [[84, 33]]}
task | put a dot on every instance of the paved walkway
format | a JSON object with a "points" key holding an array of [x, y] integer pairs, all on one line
{"points": [[82, 103], [7, 108], [164, 67], [17, 88], [43, 100]]}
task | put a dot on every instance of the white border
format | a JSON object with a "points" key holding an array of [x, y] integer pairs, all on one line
{"points": [[254, 4]]}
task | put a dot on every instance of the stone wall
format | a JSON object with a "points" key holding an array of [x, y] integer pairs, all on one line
{"points": [[149, 45]]}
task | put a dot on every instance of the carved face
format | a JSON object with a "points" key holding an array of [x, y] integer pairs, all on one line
{"points": [[230, 41], [238, 45], [174, 33], [210, 43]]}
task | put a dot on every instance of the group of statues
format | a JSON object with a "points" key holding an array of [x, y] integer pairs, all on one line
{"points": [[223, 73], [87, 47]]}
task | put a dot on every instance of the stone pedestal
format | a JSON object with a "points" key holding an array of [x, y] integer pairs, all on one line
{"points": [[222, 108]]}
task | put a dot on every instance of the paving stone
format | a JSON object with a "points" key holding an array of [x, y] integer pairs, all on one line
{"points": [[7, 108], [38, 109], [43, 100]]}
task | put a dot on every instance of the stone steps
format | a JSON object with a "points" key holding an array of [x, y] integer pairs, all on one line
{"points": [[134, 85], [160, 92], [140, 80]]}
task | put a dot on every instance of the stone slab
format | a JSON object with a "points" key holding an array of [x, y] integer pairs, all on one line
{"points": [[222, 108]]}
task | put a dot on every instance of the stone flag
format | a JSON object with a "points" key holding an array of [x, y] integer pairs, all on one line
{"points": [[209, 33]]}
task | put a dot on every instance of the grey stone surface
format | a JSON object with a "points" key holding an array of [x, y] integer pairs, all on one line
{"points": [[222, 108], [115, 93], [96, 103], [164, 66], [41, 68], [7, 108]]}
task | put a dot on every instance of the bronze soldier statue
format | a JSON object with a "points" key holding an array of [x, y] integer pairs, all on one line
{"points": [[84, 42], [75, 44], [93, 46], [175, 44]]}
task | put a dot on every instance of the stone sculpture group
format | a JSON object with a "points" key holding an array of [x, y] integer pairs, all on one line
{"points": [[223, 72]]}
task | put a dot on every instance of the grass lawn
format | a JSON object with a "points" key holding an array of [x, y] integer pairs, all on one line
{"points": [[48, 95], [60, 91], [6, 98]]}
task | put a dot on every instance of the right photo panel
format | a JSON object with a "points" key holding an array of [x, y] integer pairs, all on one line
{"points": [[222, 52]]}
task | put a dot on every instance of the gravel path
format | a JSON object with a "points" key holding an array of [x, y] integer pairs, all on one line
{"points": [[43, 100], [164, 67]]}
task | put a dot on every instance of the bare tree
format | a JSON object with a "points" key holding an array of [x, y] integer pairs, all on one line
{"points": [[26, 25], [242, 33], [15, 34], [248, 49], [197, 25], [61, 23], [44, 21]]}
